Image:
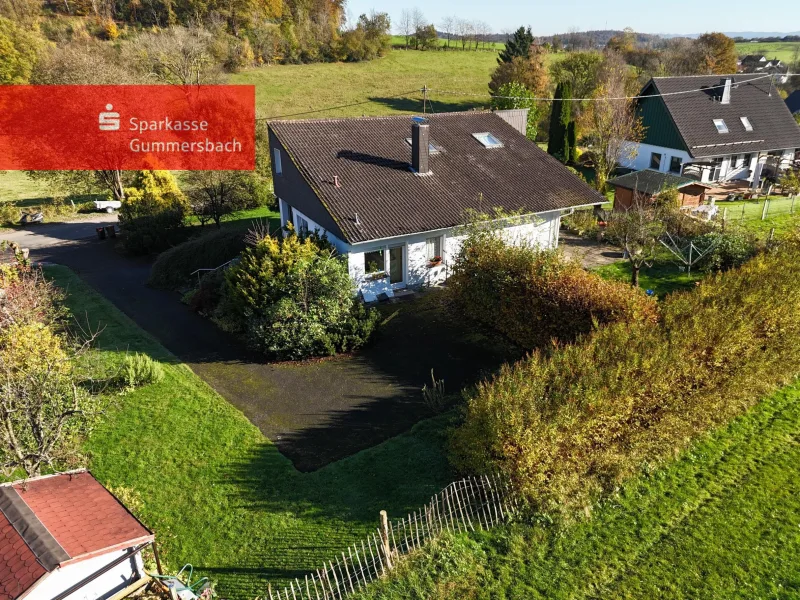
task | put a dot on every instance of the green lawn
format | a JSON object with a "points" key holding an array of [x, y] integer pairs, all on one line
{"points": [[785, 51], [782, 214], [217, 493], [16, 186], [663, 277], [388, 85], [723, 521]]}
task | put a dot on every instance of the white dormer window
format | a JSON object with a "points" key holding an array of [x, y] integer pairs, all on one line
{"points": [[746, 122], [720, 125], [488, 140]]}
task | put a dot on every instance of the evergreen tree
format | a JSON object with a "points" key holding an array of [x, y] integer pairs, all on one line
{"points": [[562, 135], [519, 44]]}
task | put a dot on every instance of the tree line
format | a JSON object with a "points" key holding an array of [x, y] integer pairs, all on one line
{"points": [[455, 32]]}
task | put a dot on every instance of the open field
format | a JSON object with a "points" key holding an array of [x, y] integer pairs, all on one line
{"points": [[720, 522], [399, 41], [388, 85], [219, 494], [785, 51]]}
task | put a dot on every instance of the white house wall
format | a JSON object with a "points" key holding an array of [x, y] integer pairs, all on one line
{"points": [[341, 246], [101, 588], [542, 231], [641, 156]]}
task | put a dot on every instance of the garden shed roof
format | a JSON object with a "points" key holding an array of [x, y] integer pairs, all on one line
{"points": [[651, 182]]}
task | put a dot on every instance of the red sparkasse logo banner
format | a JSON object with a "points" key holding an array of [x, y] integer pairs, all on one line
{"points": [[128, 127]]}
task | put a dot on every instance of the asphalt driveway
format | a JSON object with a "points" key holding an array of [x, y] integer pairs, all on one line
{"points": [[315, 412]]}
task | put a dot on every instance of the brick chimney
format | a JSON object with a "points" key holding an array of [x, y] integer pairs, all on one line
{"points": [[420, 139]]}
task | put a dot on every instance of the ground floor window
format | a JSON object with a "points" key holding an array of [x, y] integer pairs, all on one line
{"points": [[301, 225], [675, 164], [374, 262], [433, 249], [655, 161]]}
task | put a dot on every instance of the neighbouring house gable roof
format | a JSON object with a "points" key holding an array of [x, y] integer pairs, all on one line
{"points": [[380, 197], [54, 520], [694, 114], [651, 182]]}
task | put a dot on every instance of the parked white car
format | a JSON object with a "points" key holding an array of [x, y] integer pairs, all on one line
{"points": [[107, 205]]}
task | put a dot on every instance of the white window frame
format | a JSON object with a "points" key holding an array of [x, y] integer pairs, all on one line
{"points": [[276, 153], [660, 160], [483, 138], [386, 264], [748, 126], [721, 125], [433, 240]]}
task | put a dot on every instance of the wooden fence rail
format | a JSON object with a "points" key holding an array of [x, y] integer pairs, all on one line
{"points": [[465, 505]]}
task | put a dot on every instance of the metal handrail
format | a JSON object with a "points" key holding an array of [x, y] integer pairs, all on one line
{"points": [[208, 270]]}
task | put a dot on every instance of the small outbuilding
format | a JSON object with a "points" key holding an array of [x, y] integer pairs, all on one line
{"points": [[648, 183], [66, 537]]}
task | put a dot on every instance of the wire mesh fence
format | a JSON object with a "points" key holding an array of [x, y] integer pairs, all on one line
{"points": [[470, 504], [759, 210]]}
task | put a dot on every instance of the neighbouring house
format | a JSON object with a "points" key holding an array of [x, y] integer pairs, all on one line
{"points": [[66, 537], [645, 184], [736, 127], [793, 102], [391, 192]]}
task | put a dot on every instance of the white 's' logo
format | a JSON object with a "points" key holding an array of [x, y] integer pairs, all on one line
{"points": [[109, 121]]}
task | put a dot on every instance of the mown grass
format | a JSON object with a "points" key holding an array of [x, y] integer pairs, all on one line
{"points": [[782, 214], [388, 85], [664, 277], [782, 50], [722, 521], [216, 492]]}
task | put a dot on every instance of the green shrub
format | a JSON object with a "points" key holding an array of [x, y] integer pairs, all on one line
{"points": [[570, 426], [9, 214], [581, 222], [173, 268], [731, 249], [151, 212], [139, 369], [533, 296], [293, 299]]}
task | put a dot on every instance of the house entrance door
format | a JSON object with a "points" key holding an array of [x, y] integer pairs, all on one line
{"points": [[396, 270]]}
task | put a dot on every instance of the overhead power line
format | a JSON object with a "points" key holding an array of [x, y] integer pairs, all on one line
{"points": [[319, 110], [597, 98]]}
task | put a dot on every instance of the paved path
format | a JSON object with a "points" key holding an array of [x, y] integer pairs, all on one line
{"points": [[48, 235], [591, 253]]}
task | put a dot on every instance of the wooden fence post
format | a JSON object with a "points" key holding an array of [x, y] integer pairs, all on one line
{"points": [[387, 550]]}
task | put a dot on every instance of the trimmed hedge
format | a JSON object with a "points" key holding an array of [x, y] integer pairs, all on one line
{"points": [[173, 267], [570, 426], [534, 296]]}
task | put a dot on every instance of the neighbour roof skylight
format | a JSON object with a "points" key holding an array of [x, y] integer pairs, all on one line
{"points": [[747, 125], [721, 126], [488, 140]]}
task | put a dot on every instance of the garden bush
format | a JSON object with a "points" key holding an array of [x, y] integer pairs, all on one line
{"points": [[569, 426], [293, 299], [152, 210], [582, 222], [533, 296], [139, 369], [731, 248], [173, 267]]}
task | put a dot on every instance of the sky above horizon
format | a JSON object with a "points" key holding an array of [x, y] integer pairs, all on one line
{"points": [[676, 17]]}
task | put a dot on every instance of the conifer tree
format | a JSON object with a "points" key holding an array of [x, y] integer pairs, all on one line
{"points": [[519, 44]]}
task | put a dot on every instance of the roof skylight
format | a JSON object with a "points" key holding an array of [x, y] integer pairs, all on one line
{"points": [[488, 140], [432, 147], [721, 126], [746, 122]]}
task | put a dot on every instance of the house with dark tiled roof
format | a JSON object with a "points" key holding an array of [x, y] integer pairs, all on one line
{"points": [[66, 537], [391, 193], [714, 128]]}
